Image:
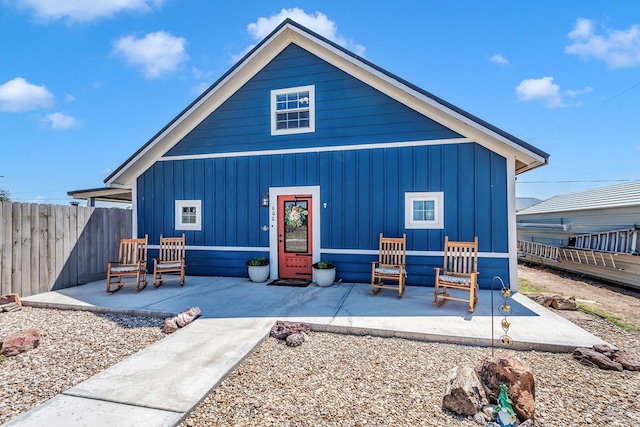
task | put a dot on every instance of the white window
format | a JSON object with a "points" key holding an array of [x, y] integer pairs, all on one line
{"points": [[293, 110], [424, 210], [188, 215]]}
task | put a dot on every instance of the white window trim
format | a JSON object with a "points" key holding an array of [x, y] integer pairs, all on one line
{"points": [[179, 225], [437, 197], [312, 110]]}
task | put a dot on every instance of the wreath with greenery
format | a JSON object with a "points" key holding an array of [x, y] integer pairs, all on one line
{"points": [[295, 216]]}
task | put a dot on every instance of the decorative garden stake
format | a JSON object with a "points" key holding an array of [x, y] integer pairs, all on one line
{"points": [[505, 309], [506, 416]]}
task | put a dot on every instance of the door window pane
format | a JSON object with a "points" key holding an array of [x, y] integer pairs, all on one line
{"points": [[296, 231]]}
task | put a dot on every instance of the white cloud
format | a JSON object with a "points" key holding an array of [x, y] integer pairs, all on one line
{"points": [[499, 59], [20, 95], [157, 53], [578, 92], [60, 121], [540, 90], [618, 48], [85, 10], [317, 22], [547, 91]]}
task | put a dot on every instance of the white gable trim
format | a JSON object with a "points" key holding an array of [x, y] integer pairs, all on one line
{"points": [[317, 149]]}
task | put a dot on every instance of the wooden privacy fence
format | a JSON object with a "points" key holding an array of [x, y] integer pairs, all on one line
{"points": [[49, 247]]}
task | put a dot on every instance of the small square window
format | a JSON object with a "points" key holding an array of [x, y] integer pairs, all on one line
{"points": [[293, 110], [424, 210], [188, 215]]}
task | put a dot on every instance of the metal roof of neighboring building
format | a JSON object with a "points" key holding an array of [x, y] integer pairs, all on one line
{"points": [[613, 196], [525, 202]]}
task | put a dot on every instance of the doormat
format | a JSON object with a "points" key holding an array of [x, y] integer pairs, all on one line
{"points": [[302, 283]]}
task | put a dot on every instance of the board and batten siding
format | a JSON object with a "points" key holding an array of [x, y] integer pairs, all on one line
{"points": [[364, 193], [347, 112]]}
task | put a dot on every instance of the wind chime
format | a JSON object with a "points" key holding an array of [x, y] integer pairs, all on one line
{"points": [[505, 310]]}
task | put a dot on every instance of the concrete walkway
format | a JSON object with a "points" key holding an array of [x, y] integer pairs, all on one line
{"points": [[159, 385]]}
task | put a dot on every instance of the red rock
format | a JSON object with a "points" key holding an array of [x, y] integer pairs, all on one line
{"points": [[20, 342], [516, 375], [283, 328], [563, 303], [9, 298]]}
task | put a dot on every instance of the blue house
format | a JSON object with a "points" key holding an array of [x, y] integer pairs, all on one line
{"points": [[305, 151]]}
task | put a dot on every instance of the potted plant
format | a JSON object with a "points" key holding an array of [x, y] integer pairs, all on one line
{"points": [[258, 269], [324, 273]]}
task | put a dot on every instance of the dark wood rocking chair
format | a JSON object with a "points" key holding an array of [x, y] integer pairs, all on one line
{"points": [[171, 259], [459, 272], [132, 261], [391, 265]]}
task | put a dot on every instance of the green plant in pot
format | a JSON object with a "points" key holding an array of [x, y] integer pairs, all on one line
{"points": [[324, 273], [258, 268]]}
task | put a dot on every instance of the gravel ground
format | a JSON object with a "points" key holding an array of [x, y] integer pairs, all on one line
{"points": [[74, 345], [338, 380], [331, 380]]}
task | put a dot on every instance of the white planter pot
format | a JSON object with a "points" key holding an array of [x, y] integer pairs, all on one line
{"points": [[258, 273], [324, 276]]}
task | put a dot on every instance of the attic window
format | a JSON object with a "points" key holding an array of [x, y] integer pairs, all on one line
{"points": [[293, 110]]}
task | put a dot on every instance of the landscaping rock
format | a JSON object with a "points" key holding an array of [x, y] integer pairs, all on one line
{"points": [[283, 328], [591, 357], [544, 300], [181, 320], [12, 306], [296, 339], [10, 298], [516, 375], [464, 394], [528, 423], [479, 419], [628, 360], [20, 342], [604, 349], [564, 303], [170, 326]]}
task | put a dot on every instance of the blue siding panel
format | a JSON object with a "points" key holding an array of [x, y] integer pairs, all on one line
{"points": [[347, 112], [364, 189]]}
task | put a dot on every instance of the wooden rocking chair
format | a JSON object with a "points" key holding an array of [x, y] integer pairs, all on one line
{"points": [[391, 264], [132, 261], [171, 259], [460, 273]]}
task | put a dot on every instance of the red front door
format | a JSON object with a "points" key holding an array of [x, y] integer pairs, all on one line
{"points": [[294, 237]]}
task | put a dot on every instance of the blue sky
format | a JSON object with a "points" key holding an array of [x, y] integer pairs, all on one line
{"points": [[84, 84]]}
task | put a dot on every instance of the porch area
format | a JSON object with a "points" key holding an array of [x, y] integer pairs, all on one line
{"points": [[342, 308]]}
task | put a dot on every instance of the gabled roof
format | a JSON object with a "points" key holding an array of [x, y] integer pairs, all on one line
{"points": [[614, 196], [525, 202], [527, 156]]}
